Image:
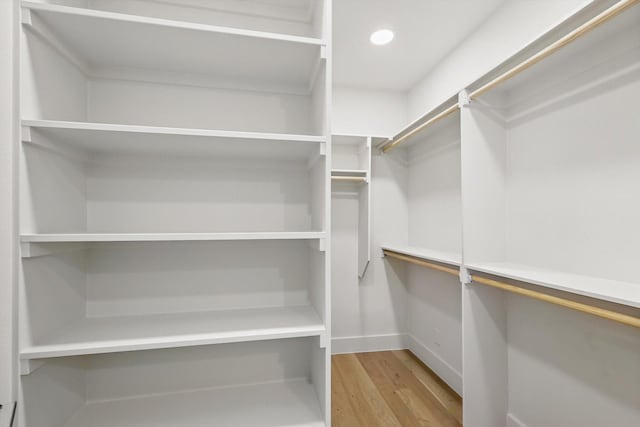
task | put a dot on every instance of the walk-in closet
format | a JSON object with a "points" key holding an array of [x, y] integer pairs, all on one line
{"points": [[315, 213]]}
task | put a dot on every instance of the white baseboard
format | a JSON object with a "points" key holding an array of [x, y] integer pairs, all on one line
{"points": [[367, 343], [445, 371], [512, 421]]}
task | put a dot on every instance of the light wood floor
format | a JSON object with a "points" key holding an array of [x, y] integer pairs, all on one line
{"points": [[390, 389]]}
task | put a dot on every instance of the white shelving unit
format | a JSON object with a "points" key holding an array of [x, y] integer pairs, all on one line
{"points": [[175, 188], [525, 184], [351, 176]]}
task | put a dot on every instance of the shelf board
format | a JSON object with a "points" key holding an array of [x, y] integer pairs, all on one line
{"points": [[289, 403], [167, 237], [443, 257], [106, 40], [114, 138], [128, 333], [618, 292]]}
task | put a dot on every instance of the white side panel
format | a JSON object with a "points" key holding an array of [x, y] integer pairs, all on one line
{"points": [[484, 356], [483, 184], [53, 191], [364, 230], [51, 394], [52, 294], [8, 199], [51, 86]]}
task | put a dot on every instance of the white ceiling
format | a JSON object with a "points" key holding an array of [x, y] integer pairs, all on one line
{"points": [[425, 31]]}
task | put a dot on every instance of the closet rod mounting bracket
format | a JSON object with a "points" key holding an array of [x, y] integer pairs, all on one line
{"points": [[464, 99], [465, 276]]}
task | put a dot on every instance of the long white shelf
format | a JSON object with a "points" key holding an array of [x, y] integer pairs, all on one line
{"points": [[128, 333], [625, 293], [98, 40], [290, 403], [167, 237], [116, 138], [443, 257]]}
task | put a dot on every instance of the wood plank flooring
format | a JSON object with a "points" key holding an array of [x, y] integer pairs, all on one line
{"points": [[390, 389]]}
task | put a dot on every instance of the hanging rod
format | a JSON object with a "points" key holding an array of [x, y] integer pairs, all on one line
{"points": [[556, 46], [394, 142], [420, 262], [348, 178], [527, 63], [615, 316]]}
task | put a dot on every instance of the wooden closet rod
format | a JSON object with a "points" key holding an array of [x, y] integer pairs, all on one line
{"points": [[349, 178], [625, 319], [394, 142], [578, 306], [556, 46], [422, 263]]}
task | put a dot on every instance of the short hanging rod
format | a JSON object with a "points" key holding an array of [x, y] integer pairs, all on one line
{"points": [[556, 46], [615, 316], [349, 178], [394, 142]]}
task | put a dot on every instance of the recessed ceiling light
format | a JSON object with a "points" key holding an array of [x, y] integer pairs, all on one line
{"points": [[381, 37]]}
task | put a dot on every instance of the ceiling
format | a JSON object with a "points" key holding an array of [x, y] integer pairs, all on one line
{"points": [[425, 31]]}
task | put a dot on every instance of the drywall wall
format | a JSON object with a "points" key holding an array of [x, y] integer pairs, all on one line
{"points": [[8, 131], [368, 112], [369, 314], [515, 24]]}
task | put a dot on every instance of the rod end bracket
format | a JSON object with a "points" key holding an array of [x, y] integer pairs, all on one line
{"points": [[465, 276]]}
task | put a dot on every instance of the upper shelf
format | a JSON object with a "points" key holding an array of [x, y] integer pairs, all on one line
{"points": [[112, 138], [603, 289], [167, 237], [100, 41]]}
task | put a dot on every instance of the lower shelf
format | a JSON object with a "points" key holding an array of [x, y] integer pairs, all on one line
{"points": [[291, 403], [127, 333]]}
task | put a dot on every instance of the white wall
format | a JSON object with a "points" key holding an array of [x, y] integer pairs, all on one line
{"points": [[369, 314], [514, 25], [7, 198], [368, 112]]}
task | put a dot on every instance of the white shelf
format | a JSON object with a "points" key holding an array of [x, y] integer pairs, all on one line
{"points": [[128, 333], [98, 40], [603, 289], [167, 237], [291, 403], [427, 254], [110, 138]]}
